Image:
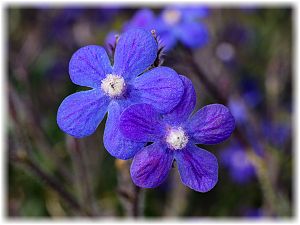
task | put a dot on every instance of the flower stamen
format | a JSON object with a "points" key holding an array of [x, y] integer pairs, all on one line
{"points": [[177, 138], [113, 85]]}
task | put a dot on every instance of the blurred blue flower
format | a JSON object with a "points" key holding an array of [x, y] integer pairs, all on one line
{"points": [[240, 114], [174, 137], [238, 110], [173, 24], [250, 91], [115, 87], [178, 23], [143, 18], [60, 27], [236, 34], [240, 167], [56, 71], [276, 133]]}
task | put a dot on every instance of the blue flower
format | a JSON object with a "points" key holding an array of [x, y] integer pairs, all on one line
{"points": [[240, 167], [238, 110], [180, 23], [114, 87], [174, 135], [174, 23]]}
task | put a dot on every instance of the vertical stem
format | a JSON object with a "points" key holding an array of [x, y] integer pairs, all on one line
{"points": [[136, 208], [177, 197], [131, 196], [81, 174]]}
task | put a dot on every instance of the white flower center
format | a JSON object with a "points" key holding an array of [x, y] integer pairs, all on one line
{"points": [[172, 16], [176, 138], [113, 85]]}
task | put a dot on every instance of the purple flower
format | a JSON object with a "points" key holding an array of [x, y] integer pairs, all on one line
{"points": [[240, 167], [174, 136], [180, 23], [114, 87]]}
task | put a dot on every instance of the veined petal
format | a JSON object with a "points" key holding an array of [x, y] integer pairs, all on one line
{"points": [[80, 114], [135, 52], [115, 143], [89, 65], [161, 87], [198, 168], [211, 125], [193, 35], [185, 107], [141, 122], [151, 165]]}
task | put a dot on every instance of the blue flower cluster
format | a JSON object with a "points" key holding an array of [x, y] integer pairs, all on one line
{"points": [[149, 112]]}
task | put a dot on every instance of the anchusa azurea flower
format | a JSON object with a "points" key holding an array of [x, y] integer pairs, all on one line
{"points": [[114, 87], [175, 23], [240, 168], [178, 23], [174, 135]]}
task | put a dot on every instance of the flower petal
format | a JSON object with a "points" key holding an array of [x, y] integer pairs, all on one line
{"points": [[141, 122], [192, 13], [186, 105], [89, 65], [135, 52], [110, 42], [193, 35], [80, 114], [115, 143], [167, 39], [150, 166], [143, 18], [198, 168], [160, 87], [211, 125]]}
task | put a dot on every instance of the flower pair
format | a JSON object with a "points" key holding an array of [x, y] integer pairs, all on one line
{"points": [[114, 87], [146, 106]]}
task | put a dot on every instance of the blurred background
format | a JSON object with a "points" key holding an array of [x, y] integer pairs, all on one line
{"points": [[245, 63]]}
